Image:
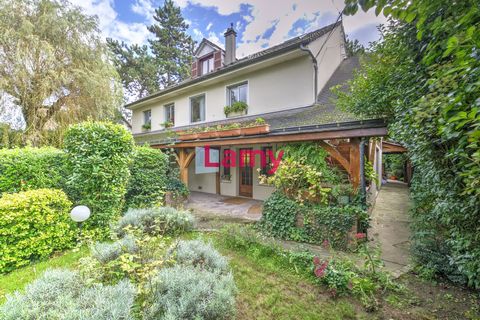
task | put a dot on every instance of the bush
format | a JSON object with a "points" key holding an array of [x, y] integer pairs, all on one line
{"points": [[279, 215], [33, 224], [99, 154], [61, 294], [198, 254], [156, 221], [105, 252], [31, 168], [184, 292], [148, 179]]}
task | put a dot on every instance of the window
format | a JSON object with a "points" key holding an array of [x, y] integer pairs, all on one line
{"points": [[197, 109], [264, 170], [206, 65], [170, 113], [237, 93], [226, 169], [147, 117]]}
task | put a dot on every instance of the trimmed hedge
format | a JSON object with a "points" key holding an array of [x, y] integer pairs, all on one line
{"points": [[31, 168], [33, 224], [99, 155], [148, 179]]}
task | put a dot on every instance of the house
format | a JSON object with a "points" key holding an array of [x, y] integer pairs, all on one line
{"points": [[287, 85]]}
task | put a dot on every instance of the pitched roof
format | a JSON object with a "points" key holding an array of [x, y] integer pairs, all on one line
{"points": [[283, 47], [319, 116], [207, 42]]}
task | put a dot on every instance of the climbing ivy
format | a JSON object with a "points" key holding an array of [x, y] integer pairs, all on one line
{"points": [[423, 76]]}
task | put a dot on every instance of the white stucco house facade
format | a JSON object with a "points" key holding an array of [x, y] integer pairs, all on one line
{"points": [[287, 85]]}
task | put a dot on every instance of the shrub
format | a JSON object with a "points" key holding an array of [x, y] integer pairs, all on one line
{"points": [[105, 252], [61, 294], [198, 254], [148, 180], [33, 224], [99, 155], [185, 292], [155, 221], [279, 215], [31, 168]]}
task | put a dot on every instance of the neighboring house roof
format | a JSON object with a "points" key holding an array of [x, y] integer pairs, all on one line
{"points": [[286, 46], [207, 42], [317, 117]]}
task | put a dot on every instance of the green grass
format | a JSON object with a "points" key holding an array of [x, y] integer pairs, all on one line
{"points": [[18, 279]]}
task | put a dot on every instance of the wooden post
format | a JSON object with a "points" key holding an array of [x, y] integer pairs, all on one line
{"points": [[184, 159], [355, 162]]}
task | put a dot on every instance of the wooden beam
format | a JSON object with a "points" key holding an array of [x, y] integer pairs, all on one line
{"points": [[297, 137], [355, 162], [335, 154], [184, 160]]}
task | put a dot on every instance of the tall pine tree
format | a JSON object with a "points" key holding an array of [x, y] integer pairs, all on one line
{"points": [[165, 61]]}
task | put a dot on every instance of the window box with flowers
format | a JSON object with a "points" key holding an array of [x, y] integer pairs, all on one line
{"points": [[257, 127], [236, 109], [146, 127]]}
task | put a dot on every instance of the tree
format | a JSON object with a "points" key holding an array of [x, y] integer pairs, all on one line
{"points": [[354, 47], [172, 46], [164, 61], [54, 66], [423, 76]]}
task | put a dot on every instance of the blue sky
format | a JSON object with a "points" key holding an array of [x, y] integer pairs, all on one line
{"points": [[259, 23]]}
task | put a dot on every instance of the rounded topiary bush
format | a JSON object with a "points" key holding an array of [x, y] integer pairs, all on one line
{"points": [[156, 221], [185, 292], [198, 254], [148, 180], [33, 224], [98, 157], [61, 294]]}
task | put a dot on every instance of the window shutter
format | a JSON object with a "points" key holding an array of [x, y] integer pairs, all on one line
{"points": [[217, 60], [195, 69]]}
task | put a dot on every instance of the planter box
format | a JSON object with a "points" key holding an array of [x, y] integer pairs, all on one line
{"points": [[187, 136], [229, 133], [236, 114], [208, 135], [262, 129]]}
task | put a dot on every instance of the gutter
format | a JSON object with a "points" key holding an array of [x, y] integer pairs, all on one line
{"points": [[315, 70]]}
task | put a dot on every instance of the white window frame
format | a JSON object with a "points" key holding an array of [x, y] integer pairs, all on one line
{"points": [[210, 65], [149, 112], [238, 84], [166, 107], [204, 107]]}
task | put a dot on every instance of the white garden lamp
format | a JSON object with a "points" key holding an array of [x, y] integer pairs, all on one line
{"points": [[80, 213]]}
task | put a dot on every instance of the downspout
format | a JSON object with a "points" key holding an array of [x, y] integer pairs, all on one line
{"points": [[363, 185], [315, 70]]}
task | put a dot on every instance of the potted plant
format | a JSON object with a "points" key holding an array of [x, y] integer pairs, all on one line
{"points": [[187, 135], [208, 133], [229, 130], [147, 127], [259, 126], [238, 108], [167, 124]]}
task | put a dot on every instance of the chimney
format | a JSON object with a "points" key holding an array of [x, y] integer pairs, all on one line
{"points": [[230, 45]]}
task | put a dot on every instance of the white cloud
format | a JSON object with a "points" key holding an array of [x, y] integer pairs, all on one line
{"points": [[197, 34], [212, 36], [209, 26], [145, 8]]}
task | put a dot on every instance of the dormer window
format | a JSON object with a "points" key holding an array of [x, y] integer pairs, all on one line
{"points": [[206, 65]]}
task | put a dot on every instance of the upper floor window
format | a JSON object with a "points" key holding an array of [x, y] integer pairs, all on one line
{"points": [[170, 114], [237, 93], [206, 65], [197, 108]]}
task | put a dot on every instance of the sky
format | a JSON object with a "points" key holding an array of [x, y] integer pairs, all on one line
{"points": [[259, 23]]}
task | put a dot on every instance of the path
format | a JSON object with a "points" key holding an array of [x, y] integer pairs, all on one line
{"points": [[390, 226]]}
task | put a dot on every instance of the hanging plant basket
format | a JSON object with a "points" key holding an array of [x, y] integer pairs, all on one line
{"points": [[261, 129]]}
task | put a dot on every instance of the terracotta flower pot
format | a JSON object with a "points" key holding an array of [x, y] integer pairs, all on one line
{"points": [[261, 129], [207, 135], [187, 136], [229, 133]]}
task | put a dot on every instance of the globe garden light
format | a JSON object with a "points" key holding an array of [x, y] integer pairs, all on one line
{"points": [[80, 213]]}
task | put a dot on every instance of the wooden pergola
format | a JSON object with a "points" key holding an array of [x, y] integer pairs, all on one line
{"points": [[346, 155]]}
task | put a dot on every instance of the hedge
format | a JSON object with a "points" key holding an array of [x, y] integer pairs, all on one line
{"points": [[98, 157], [33, 224], [148, 179], [31, 168]]}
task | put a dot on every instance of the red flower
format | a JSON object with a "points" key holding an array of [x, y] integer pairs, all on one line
{"points": [[360, 236], [320, 270], [316, 261], [325, 244]]}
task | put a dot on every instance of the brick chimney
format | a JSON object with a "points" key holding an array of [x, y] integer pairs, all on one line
{"points": [[230, 45]]}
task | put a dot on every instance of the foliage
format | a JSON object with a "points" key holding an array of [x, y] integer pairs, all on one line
{"points": [[105, 252], [9, 138], [156, 221], [228, 126], [394, 164], [99, 155], [198, 254], [236, 107], [176, 186], [184, 292], [33, 224], [31, 168], [424, 77], [287, 219], [148, 179], [163, 62], [354, 48], [54, 64], [298, 181], [61, 294]]}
